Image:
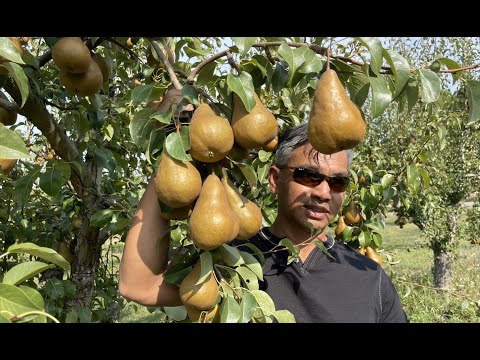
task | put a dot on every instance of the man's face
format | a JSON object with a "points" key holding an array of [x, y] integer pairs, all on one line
{"points": [[299, 204]]}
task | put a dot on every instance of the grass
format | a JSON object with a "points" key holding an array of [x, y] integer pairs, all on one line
{"points": [[412, 276]]}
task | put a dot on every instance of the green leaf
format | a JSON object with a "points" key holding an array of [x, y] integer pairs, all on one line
{"points": [[473, 94], [279, 77], [51, 181], [249, 278], [189, 93], [230, 255], [55, 289], [400, 68], [425, 177], [22, 187], [451, 64], [9, 51], [229, 310], [176, 273], [36, 298], [292, 249], [20, 78], [242, 85], [412, 174], [358, 86], [252, 263], [264, 301], [24, 271], [205, 265], [381, 95], [430, 85], [104, 157], [195, 52], [177, 313], [374, 45], [411, 90], [101, 218], [11, 145], [141, 126], [322, 247], [178, 143], [387, 180], [257, 252], [142, 93], [248, 306], [13, 300], [85, 315], [206, 74], [41, 252], [63, 167], [72, 317], [250, 175], [244, 43], [295, 58], [364, 238], [284, 316]]}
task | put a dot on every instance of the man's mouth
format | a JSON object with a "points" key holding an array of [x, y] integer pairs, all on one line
{"points": [[316, 211]]}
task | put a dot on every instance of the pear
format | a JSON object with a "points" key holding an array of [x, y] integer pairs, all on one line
{"points": [[255, 128], [340, 227], [6, 165], [335, 123], [271, 146], [211, 315], [71, 55], [361, 250], [211, 136], [87, 83], [212, 222], [352, 216], [247, 212], [177, 183], [202, 296], [372, 254]]}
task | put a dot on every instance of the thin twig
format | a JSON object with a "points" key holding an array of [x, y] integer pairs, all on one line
{"points": [[232, 62], [163, 58], [118, 43]]}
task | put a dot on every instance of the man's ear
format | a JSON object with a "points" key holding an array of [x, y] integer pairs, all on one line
{"points": [[273, 178]]}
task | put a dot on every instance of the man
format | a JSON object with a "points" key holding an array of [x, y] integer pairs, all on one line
{"points": [[310, 188]]}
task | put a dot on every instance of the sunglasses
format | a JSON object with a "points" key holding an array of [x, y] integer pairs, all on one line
{"points": [[312, 178]]}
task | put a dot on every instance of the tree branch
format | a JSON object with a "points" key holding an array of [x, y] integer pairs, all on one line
{"points": [[10, 106], [452, 71], [124, 47], [163, 58], [191, 77], [232, 62]]}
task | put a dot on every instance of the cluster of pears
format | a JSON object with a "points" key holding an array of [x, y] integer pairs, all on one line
{"points": [[217, 211], [17, 42], [336, 123], [370, 253], [81, 73]]}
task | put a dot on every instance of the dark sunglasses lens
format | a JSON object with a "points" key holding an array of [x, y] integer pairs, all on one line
{"points": [[311, 178], [307, 177]]}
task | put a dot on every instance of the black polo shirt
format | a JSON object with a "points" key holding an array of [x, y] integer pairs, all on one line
{"points": [[349, 288]]}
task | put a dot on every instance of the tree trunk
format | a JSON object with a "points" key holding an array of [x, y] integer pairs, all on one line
{"points": [[442, 269], [442, 257]]}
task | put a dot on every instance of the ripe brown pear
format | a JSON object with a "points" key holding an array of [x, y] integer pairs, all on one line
{"points": [[211, 136], [255, 128], [71, 55], [271, 146], [340, 227], [84, 84], [7, 117], [194, 314], [352, 216], [372, 254], [335, 123], [361, 250], [104, 68], [247, 212], [177, 183], [213, 221], [202, 296], [6, 165]]}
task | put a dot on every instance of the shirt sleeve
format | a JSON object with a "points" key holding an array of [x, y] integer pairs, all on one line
{"points": [[391, 306]]}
